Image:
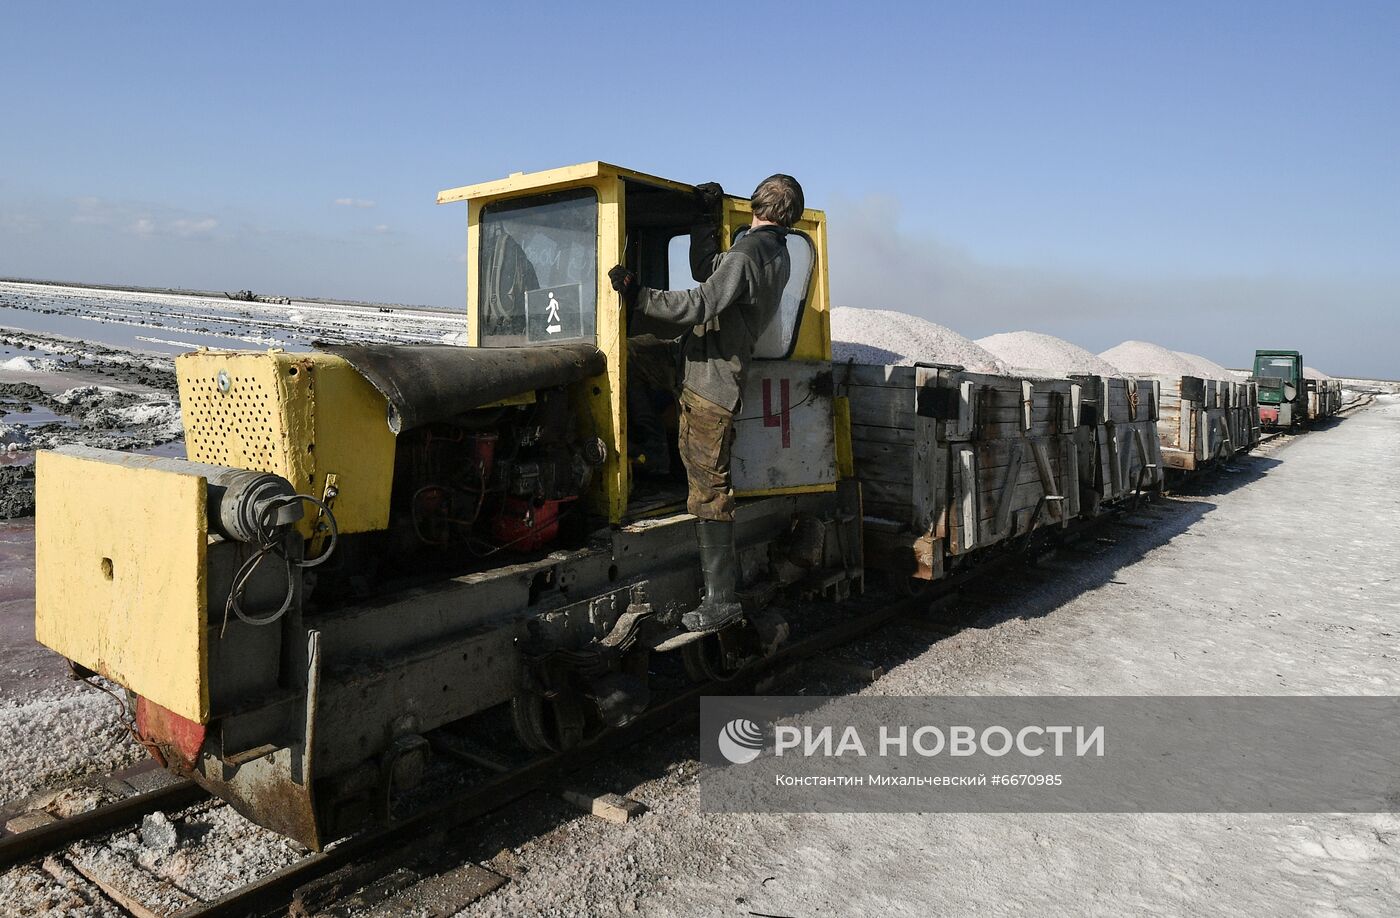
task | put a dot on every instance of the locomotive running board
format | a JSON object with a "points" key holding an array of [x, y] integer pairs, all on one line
{"points": [[678, 639]]}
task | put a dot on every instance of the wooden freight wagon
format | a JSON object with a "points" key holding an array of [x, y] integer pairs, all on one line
{"points": [[1324, 397], [1129, 456], [1242, 414], [1250, 407], [1195, 425], [952, 462]]}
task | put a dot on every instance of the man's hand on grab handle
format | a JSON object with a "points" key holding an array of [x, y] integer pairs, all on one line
{"points": [[625, 283], [709, 200]]}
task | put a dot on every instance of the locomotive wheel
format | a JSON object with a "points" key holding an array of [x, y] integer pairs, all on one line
{"points": [[706, 660], [904, 585], [548, 725]]}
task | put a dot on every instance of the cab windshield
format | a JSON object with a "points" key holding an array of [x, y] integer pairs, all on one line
{"points": [[1273, 372], [538, 280]]}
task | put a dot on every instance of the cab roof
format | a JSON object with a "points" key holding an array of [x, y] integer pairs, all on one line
{"points": [[521, 182], [550, 178]]}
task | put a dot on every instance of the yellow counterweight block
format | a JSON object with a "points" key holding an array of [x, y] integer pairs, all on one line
{"points": [[119, 565], [310, 418]]}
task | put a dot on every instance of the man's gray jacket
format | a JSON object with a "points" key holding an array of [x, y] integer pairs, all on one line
{"points": [[739, 295]]}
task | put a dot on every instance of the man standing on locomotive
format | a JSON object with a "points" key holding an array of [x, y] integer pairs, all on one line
{"points": [[739, 295]]}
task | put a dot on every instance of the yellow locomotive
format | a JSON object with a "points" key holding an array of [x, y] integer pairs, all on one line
{"points": [[366, 543]]}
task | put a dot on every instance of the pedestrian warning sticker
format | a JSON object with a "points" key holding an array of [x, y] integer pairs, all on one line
{"points": [[554, 313]]}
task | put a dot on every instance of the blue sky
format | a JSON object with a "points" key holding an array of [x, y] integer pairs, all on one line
{"points": [[1213, 177]]}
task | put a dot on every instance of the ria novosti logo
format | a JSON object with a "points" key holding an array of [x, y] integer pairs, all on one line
{"points": [[740, 741]]}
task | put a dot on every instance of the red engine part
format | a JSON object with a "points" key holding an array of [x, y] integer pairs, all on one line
{"points": [[484, 453], [1268, 414], [430, 515], [523, 525], [169, 732]]}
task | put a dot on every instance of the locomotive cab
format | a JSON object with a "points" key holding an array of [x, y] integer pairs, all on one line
{"points": [[538, 249], [1283, 398]]}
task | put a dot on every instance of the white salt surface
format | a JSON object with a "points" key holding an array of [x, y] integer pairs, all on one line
{"points": [[1035, 351], [31, 890], [31, 365], [1311, 373], [106, 407], [162, 417], [1149, 359], [13, 439], [1206, 368], [152, 321], [205, 851], [884, 337], [88, 395], [61, 735]]}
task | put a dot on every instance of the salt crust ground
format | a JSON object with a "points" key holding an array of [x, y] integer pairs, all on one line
{"points": [[66, 732], [210, 850], [169, 323]]}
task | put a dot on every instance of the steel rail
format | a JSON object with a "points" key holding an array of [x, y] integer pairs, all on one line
{"points": [[38, 841]]}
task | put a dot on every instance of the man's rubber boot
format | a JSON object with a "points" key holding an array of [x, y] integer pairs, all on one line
{"points": [[720, 564]]}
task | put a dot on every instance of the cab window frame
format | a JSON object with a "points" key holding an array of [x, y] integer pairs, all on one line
{"points": [[795, 333], [588, 285]]}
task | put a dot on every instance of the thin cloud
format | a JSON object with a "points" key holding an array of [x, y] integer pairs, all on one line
{"points": [[139, 219], [187, 228], [179, 228], [21, 222], [90, 211], [360, 203]]}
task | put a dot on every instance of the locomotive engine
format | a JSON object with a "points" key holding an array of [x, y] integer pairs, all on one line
{"points": [[508, 479]]}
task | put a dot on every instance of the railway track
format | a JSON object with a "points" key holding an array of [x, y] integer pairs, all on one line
{"points": [[1355, 404], [23, 846]]}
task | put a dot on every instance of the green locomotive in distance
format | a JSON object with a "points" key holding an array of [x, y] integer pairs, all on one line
{"points": [[1283, 400]]}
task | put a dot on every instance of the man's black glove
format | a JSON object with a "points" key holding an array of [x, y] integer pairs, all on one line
{"points": [[625, 283], [709, 201]]}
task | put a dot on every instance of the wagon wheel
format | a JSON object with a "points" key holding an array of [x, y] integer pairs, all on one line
{"points": [[548, 724], [903, 585]]}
